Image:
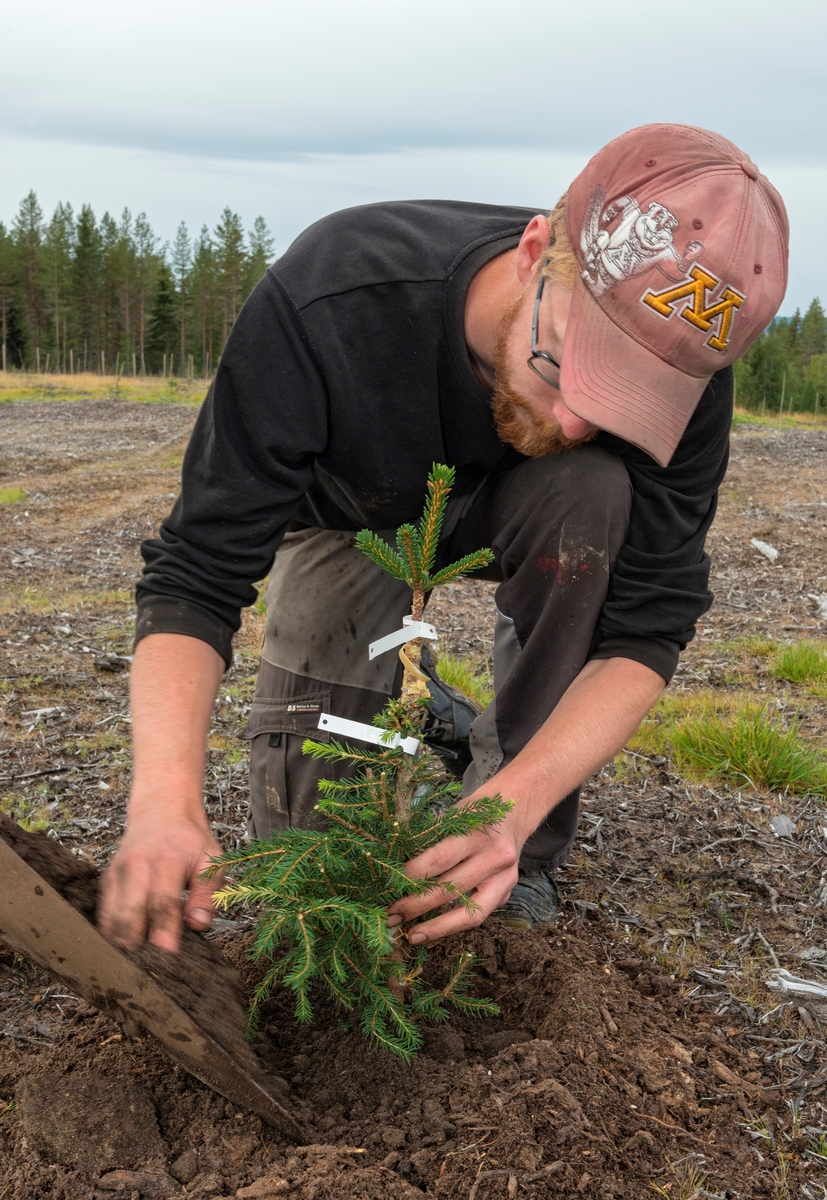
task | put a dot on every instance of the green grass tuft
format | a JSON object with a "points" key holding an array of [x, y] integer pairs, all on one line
{"points": [[710, 737], [802, 663], [749, 747], [467, 676], [13, 495]]}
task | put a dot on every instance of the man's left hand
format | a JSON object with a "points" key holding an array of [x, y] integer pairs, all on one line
{"points": [[600, 709], [482, 864]]}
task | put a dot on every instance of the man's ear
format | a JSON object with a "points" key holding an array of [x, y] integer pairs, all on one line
{"points": [[533, 243]]}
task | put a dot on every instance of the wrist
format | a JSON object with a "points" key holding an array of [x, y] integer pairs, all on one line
{"points": [[149, 801]]}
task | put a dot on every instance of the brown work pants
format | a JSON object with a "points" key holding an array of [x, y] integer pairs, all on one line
{"points": [[556, 525]]}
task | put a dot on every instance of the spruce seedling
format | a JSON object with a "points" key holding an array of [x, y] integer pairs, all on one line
{"points": [[324, 895]]}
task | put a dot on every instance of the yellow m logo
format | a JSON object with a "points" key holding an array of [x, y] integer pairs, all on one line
{"points": [[696, 312]]}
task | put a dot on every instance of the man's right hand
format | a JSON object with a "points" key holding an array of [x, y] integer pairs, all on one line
{"points": [[159, 859], [168, 841]]}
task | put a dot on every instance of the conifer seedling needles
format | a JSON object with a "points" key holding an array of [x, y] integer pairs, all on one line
{"points": [[323, 896]]}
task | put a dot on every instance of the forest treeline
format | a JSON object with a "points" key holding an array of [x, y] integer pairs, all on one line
{"points": [[78, 294], [785, 369]]}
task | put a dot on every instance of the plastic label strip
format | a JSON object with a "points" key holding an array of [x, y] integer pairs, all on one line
{"points": [[367, 733], [410, 629]]}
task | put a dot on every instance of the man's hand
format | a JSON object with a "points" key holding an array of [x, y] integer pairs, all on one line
{"points": [[158, 860], [168, 841], [593, 720], [482, 864]]}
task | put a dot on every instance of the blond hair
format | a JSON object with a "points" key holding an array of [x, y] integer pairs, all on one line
{"points": [[558, 262]]}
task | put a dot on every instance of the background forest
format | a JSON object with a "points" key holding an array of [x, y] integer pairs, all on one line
{"points": [[786, 368], [78, 294]]}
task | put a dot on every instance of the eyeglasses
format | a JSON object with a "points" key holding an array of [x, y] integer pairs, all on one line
{"points": [[541, 354]]}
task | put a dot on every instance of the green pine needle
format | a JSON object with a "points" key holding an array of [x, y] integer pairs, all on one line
{"points": [[378, 551], [463, 566]]}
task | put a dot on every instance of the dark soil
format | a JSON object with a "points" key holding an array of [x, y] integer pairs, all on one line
{"points": [[639, 1046]]}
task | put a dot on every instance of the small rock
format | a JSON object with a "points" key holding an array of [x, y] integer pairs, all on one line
{"points": [[89, 1120], [391, 1161], [112, 662], [493, 1043], [782, 826], [765, 548], [393, 1138], [185, 1168], [268, 1185], [154, 1185]]}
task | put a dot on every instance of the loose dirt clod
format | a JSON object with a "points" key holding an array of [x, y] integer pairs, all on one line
{"points": [[90, 1120], [152, 1185]]}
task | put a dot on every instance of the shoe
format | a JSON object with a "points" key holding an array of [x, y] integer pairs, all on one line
{"points": [[532, 903], [447, 724]]}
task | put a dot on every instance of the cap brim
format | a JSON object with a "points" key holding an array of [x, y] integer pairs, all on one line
{"points": [[611, 381]]}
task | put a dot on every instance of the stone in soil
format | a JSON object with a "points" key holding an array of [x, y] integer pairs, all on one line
{"points": [[88, 1120]]}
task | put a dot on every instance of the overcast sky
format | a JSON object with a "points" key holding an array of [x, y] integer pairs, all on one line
{"points": [[293, 109]]}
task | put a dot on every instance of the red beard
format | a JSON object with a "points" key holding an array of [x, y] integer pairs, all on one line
{"points": [[533, 434]]}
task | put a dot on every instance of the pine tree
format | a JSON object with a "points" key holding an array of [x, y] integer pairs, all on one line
{"points": [[203, 292], [126, 274], [261, 245], [86, 286], [28, 236], [813, 331], [181, 266], [110, 294], [146, 244], [325, 894], [8, 280], [231, 261], [163, 324], [57, 265]]}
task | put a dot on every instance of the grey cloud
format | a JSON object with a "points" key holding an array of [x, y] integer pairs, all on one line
{"points": [[272, 80]]}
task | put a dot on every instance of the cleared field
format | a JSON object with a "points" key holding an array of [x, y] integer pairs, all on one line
{"points": [[641, 1045]]}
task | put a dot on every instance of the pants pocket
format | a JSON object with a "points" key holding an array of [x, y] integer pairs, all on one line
{"points": [[276, 730]]}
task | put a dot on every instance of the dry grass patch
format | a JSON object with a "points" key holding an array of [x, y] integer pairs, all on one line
{"points": [[17, 385]]}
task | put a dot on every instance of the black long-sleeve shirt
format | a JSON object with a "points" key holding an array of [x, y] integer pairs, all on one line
{"points": [[345, 376]]}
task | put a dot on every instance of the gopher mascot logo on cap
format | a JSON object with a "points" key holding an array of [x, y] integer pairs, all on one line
{"points": [[638, 241], [641, 240]]}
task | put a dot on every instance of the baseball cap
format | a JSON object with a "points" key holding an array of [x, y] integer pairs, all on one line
{"points": [[681, 245]]}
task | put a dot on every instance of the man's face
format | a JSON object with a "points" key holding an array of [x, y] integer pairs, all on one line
{"points": [[529, 413]]}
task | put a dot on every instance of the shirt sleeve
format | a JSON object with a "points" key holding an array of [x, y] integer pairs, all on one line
{"points": [[660, 584], [248, 464]]}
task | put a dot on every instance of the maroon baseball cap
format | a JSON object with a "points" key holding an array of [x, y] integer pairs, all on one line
{"points": [[681, 245]]}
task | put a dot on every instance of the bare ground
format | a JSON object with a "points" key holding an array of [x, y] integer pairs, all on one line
{"points": [[639, 1046]]}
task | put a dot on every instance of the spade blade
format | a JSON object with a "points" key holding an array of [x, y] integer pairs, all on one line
{"points": [[38, 923]]}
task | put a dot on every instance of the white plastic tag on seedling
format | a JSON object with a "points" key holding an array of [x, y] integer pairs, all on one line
{"points": [[410, 629], [367, 733]]}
